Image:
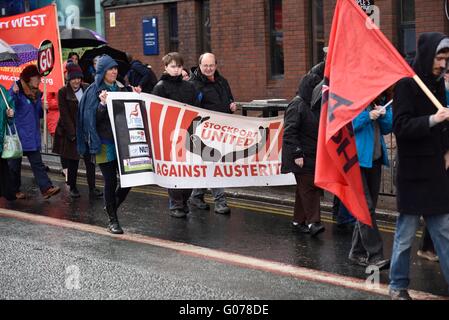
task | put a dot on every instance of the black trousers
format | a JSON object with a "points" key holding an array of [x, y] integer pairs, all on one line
{"points": [[72, 171], [5, 185], [113, 195], [367, 241]]}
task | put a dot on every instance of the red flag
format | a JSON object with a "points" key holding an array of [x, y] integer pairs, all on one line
{"points": [[360, 65]]}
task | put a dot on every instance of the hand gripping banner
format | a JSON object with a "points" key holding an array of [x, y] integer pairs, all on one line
{"points": [[164, 142]]}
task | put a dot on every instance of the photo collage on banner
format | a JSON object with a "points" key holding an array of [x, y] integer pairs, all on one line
{"points": [[133, 138]]}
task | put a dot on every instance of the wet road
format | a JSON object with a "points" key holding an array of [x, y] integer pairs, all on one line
{"points": [[254, 229]]}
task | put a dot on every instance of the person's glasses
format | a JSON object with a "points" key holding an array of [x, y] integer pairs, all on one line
{"points": [[209, 66]]}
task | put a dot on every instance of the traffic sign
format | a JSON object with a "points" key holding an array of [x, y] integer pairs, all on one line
{"points": [[46, 58]]}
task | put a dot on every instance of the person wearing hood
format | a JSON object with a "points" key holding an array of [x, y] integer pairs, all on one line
{"points": [[94, 135], [172, 86], [299, 148], [27, 99], [213, 93], [64, 144], [422, 136], [139, 75]]}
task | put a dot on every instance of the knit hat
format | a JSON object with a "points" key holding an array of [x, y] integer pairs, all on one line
{"points": [[444, 44], [73, 71], [29, 72]]}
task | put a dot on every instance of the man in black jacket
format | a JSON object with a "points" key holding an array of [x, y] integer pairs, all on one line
{"points": [[214, 94], [422, 136]]}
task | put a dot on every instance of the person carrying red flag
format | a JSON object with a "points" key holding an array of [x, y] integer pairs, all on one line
{"points": [[369, 128], [422, 137]]}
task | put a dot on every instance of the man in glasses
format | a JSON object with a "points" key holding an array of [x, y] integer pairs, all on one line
{"points": [[214, 93]]}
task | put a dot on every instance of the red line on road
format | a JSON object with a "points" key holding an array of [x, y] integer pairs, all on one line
{"points": [[224, 257]]}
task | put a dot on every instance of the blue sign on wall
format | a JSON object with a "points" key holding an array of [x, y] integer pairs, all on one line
{"points": [[150, 36]]}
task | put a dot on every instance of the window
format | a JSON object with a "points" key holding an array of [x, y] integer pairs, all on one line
{"points": [[205, 43], [173, 40], [276, 39], [407, 28], [317, 31]]}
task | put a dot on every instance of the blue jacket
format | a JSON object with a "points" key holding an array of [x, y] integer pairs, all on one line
{"points": [[364, 136], [27, 118], [87, 136]]}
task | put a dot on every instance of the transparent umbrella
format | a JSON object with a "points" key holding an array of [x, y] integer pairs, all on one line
{"points": [[6, 52]]}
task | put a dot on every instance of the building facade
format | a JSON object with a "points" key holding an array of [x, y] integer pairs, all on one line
{"points": [[263, 46], [71, 13]]}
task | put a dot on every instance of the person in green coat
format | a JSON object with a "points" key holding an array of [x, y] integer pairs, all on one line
{"points": [[6, 115]]}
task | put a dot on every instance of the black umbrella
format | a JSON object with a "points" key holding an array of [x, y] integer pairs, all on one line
{"points": [[81, 37], [117, 55]]}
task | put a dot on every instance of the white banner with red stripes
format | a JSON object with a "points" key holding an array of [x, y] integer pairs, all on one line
{"points": [[164, 142]]}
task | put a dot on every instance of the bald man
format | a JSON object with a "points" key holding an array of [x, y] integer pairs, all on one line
{"points": [[214, 93]]}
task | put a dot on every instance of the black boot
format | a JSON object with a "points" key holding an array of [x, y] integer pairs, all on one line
{"points": [[114, 226]]}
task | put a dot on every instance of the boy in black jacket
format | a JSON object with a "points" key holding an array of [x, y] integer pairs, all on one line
{"points": [[171, 86]]}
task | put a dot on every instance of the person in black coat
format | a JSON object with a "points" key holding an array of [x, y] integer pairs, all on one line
{"points": [[299, 148], [422, 135], [213, 93], [139, 75], [171, 86]]}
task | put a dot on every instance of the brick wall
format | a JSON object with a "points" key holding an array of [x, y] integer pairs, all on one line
{"points": [[240, 38]]}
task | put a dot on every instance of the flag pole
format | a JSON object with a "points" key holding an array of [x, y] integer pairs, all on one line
{"points": [[428, 93], [6, 101]]}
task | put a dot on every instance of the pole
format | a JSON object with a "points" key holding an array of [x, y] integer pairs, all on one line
{"points": [[6, 101], [428, 93], [45, 116]]}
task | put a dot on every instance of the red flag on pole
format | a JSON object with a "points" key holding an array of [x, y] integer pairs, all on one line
{"points": [[361, 64]]}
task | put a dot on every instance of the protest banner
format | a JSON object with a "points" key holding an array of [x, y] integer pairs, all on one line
{"points": [[164, 142], [25, 33]]}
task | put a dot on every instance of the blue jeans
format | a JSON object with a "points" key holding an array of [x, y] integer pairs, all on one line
{"points": [[37, 166], [438, 226]]}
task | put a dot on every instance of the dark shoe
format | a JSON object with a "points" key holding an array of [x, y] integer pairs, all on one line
{"points": [[186, 209], [222, 208], [316, 228], [399, 294], [300, 227], [114, 226], [199, 203], [95, 193], [20, 195], [358, 260], [74, 193], [51, 192], [382, 264], [178, 213]]}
